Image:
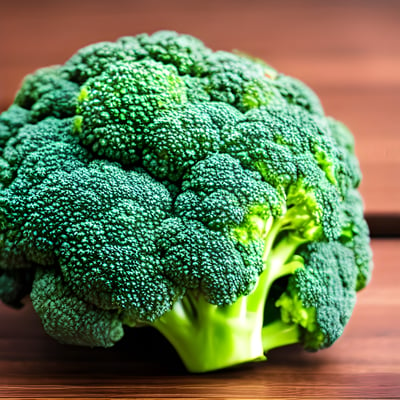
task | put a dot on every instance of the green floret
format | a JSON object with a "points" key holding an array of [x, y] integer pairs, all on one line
{"points": [[23, 168], [287, 143], [219, 192], [68, 318], [153, 181], [47, 92], [185, 52], [318, 301], [239, 81], [296, 92], [176, 140], [65, 210], [92, 60], [345, 142], [11, 121], [355, 235], [207, 262], [116, 108], [79, 213]]}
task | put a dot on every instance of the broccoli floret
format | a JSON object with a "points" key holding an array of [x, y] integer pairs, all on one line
{"points": [[68, 318], [47, 93], [237, 80], [296, 92], [152, 181], [11, 121], [115, 108], [318, 300], [180, 138], [91, 60], [345, 142], [63, 209], [355, 236], [185, 52]]}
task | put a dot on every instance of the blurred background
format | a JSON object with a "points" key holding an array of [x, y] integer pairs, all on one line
{"points": [[348, 51]]}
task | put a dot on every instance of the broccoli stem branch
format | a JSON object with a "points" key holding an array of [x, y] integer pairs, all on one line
{"points": [[278, 263], [213, 337], [278, 333]]}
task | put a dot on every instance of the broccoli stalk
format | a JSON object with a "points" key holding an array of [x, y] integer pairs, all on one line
{"points": [[209, 337], [278, 333]]}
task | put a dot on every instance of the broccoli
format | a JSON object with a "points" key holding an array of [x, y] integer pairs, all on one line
{"points": [[154, 182]]}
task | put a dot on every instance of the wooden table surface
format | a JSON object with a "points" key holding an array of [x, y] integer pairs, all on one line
{"points": [[349, 52]]}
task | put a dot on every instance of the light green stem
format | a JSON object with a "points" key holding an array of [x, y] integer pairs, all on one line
{"points": [[278, 333], [216, 337]]}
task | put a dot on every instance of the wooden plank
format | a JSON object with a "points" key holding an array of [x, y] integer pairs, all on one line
{"points": [[363, 364], [348, 51]]}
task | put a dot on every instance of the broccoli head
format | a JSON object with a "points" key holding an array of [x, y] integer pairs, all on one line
{"points": [[153, 181]]}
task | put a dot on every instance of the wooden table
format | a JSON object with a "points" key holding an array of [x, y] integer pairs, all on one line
{"points": [[349, 52]]}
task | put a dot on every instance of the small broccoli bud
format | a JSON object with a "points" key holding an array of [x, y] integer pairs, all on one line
{"points": [[185, 52], [355, 236], [176, 140], [345, 143], [296, 92], [47, 93], [238, 81], [11, 121], [224, 193], [92, 60]]}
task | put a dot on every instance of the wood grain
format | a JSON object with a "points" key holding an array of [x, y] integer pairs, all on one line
{"points": [[348, 51], [363, 364]]}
